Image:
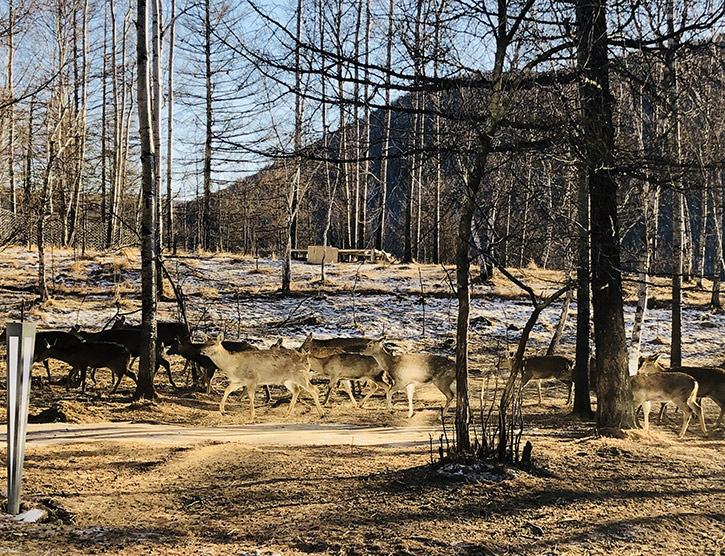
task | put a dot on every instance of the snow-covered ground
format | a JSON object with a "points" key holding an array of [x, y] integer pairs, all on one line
{"points": [[412, 304]]}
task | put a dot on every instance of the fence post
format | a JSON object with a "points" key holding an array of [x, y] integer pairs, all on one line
{"points": [[20, 338]]}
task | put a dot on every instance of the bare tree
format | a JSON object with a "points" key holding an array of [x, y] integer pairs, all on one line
{"points": [[147, 360]]}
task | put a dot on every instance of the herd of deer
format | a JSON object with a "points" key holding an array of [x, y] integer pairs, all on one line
{"points": [[346, 359]]}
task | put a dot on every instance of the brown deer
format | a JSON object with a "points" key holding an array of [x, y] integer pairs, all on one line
{"points": [[330, 346], [249, 369], [350, 366], [541, 367], [409, 369], [91, 355], [131, 339]]}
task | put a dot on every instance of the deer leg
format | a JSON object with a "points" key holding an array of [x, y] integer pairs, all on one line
{"points": [[720, 403], [84, 371], [250, 394], [268, 392], [312, 390], [646, 407], [571, 392], [410, 389], [295, 389], [330, 385], [233, 386], [47, 370], [373, 388], [686, 416], [663, 412], [538, 387], [696, 408], [160, 360], [447, 389], [346, 387], [118, 380]]}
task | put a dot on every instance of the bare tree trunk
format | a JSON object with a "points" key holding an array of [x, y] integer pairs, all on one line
{"points": [[28, 183], [717, 263], [582, 401], [678, 201], [293, 195], [614, 396], [44, 210], [383, 201], [81, 131], [11, 107], [207, 241], [104, 117], [169, 213], [702, 240], [147, 360], [561, 323], [650, 204], [330, 185]]}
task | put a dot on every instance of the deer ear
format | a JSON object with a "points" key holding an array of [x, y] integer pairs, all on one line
{"points": [[220, 338]]}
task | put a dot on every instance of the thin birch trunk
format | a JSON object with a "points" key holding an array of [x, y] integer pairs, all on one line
{"points": [[169, 213]]}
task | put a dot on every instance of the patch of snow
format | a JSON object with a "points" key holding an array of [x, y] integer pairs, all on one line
{"points": [[33, 515]]}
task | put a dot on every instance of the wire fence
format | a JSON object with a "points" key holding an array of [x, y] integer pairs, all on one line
{"points": [[91, 233]]}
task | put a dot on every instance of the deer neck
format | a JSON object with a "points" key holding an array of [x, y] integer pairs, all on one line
{"points": [[384, 359]]}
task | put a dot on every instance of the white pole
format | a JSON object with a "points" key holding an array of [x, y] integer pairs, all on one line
{"points": [[20, 339]]}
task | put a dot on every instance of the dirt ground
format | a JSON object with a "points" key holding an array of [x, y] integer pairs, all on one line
{"points": [[647, 493]]}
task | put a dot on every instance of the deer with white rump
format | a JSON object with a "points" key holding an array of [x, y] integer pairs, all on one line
{"points": [[409, 369], [679, 388], [249, 369], [347, 367], [541, 367], [710, 380]]}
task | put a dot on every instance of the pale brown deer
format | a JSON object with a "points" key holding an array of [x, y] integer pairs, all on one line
{"points": [[678, 388], [710, 380], [350, 366], [541, 367], [252, 368], [409, 369]]}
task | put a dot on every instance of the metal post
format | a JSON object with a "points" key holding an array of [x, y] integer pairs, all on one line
{"points": [[20, 339]]}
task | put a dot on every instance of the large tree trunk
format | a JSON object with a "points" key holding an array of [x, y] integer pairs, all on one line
{"points": [[614, 396], [582, 401], [147, 360]]}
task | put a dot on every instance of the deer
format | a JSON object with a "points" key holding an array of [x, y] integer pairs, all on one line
{"points": [[91, 355], [679, 388], [53, 337], [191, 351], [166, 332], [331, 346], [327, 347], [131, 339], [251, 368], [710, 380], [541, 367], [408, 369], [350, 366]]}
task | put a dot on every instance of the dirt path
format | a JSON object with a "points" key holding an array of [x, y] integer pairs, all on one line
{"points": [[283, 434]]}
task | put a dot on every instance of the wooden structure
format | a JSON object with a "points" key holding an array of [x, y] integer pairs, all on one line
{"points": [[313, 255]]}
